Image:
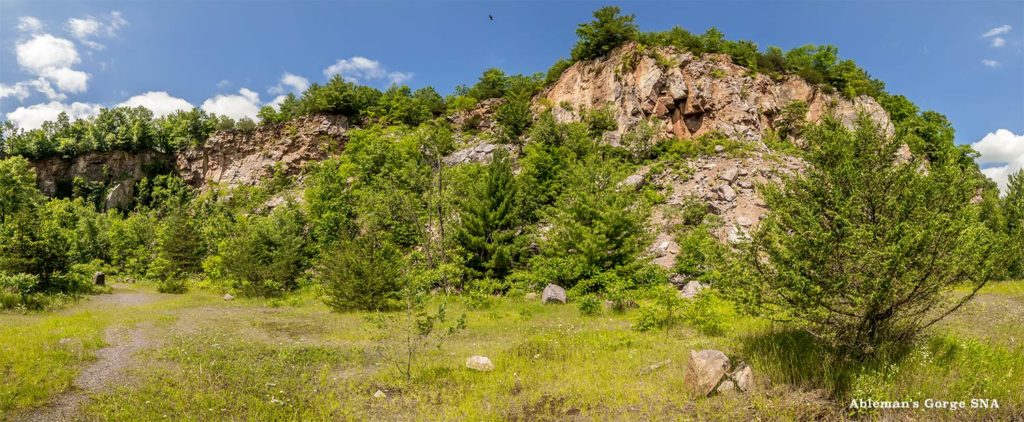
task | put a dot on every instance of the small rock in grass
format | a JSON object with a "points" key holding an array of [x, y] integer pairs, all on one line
{"points": [[719, 149], [229, 297], [691, 289], [726, 386], [479, 363], [553, 293], [705, 369], [744, 377], [380, 395], [530, 296]]}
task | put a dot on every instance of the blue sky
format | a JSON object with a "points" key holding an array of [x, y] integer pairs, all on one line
{"points": [[206, 53]]}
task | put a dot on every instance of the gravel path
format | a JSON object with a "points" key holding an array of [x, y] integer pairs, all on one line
{"points": [[110, 365]]}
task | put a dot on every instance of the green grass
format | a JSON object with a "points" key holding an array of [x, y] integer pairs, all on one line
{"points": [[296, 360]]}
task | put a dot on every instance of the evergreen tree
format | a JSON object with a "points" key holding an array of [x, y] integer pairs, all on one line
{"points": [[1013, 211], [488, 216], [862, 250]]}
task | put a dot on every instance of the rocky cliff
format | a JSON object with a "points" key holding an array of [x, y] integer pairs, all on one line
{"points": [[245, 158], [691, 95], [229, 157]]}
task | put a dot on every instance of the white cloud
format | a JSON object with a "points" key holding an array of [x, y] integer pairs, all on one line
{"points": [[29, 24], [990, 63], [245, 104], [399, 77], [290, 83], [18, 90], [32, 117], [51, 58], [84, 28], [1004, 152], [87, 28], [361, 70], [997, 31], [46, 51], [68, 80], [159, 102], [998, 42]]}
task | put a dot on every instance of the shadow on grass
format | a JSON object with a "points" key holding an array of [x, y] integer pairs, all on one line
{"points": [[797, 358]]}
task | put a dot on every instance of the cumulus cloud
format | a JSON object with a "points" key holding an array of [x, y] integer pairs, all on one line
{"points": [[1003, 154], [363, 70], [51, 58], [32, 117], [46, 51], [990, 63], [999, 30], [998, 42], [29, 24], [159, 102], [18, 90], [244, 104], [87, 28], [290, 83], [68, 80]]}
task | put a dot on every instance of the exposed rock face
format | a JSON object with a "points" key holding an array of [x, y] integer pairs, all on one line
{"points": [[121, 167], [481, 153], [235, 158], [691, 95], [482, 117]]}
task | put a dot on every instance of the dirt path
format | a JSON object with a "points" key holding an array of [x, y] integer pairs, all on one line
{"points": [[111, 361]]}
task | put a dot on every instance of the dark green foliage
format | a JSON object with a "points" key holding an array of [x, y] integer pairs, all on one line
{"points": [[163, 192], [339, 96], [608, 30], [862, 250], [362, 273], [266, 254], [1013, 212], [399, 105], [492, 84], [514, 115], [488, 220], [791, 120], [18, 192], [599, 226], [180, 246]]}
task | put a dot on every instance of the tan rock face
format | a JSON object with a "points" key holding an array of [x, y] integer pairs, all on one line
{"points": [[111, 166], [235, 158], [692, 96]]}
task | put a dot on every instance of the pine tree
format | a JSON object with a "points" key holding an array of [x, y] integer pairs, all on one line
{"points": [[489, 217], [1013, 211], [863, 250]]}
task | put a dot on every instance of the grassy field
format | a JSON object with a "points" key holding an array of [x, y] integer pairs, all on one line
{"points": [[206, 359]]}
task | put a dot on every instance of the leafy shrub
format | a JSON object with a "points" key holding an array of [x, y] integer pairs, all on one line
{"points": [[640, 140], [663, 309], [589, 305]]}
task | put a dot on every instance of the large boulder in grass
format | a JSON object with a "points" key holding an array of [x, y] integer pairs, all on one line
{"points": [[705, 370], [553, 294]]}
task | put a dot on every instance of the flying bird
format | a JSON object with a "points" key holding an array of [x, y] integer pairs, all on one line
{"points": [[491, 16]]}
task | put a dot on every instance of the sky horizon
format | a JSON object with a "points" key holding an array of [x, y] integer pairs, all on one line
{"points": [[962, 59]]}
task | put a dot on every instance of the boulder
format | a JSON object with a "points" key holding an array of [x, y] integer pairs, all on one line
{"points": [[479, 363], [691, 289], [729, 175], [726, 386], [228, 297], [705, 370], [726, 193], [744, 221], [553, 293], [99, 279], [634, 181], [743, 377]]}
